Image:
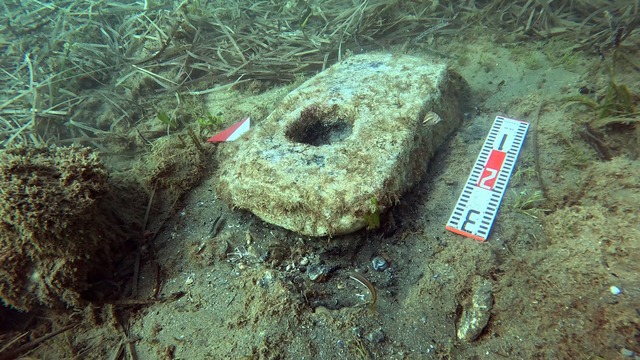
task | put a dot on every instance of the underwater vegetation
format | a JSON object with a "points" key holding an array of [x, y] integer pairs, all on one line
{"points": [[528, 202], [616, 106], [112, 71], [122, 61], [372, 217]]}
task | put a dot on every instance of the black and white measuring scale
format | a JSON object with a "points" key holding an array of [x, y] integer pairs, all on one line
{"points": [[478, 204]]}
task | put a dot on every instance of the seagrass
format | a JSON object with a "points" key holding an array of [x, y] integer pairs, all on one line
{"points": [[61, 57]]}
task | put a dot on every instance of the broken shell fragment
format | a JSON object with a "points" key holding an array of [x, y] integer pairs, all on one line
{"points": [[432, 118], [318, 273]]}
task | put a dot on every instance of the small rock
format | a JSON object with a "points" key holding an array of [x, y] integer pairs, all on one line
{"points": [[357, 331], [626, 352], [379, 263], [376, 336], [318, 273], [615, 290], [476, 316], [267, 279]]}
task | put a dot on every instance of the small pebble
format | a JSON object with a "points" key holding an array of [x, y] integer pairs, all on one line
{"points": [[357, 331], [475, 316], [379, 263], [626, 352], [376, 336], [615, 290], [304, 261], [267, 279], [318, 273]]}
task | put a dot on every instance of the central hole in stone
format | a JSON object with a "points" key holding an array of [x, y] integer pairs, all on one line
{"points": [[319, 126]]}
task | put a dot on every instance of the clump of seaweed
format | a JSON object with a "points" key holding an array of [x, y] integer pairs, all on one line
{"points": [[618, 106], [617, 102], [528, 203]]}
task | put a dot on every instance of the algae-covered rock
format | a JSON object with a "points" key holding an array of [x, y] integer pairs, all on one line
{"points": [[172, 168], [53, 230], [359, 133], [476, 313]]}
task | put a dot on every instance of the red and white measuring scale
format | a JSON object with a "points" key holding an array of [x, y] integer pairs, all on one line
{"points": [[232, 132], [478, 204]]}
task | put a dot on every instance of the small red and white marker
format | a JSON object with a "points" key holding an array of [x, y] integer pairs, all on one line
{"points": [[232, 132]]}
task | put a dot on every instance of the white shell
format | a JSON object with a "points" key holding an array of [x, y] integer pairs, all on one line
{"points": [[432, 118]]}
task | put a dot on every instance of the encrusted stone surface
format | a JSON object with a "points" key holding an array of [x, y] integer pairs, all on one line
{"points": [[475, 315], [348, 140]]}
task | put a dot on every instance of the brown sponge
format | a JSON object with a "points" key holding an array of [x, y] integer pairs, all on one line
{"points": [[53, 230]]}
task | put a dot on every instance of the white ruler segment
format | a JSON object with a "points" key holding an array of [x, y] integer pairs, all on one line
{"points": [[478, 204]]}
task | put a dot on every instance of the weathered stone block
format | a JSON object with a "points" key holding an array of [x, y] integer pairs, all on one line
{"points": [[348, 140]]}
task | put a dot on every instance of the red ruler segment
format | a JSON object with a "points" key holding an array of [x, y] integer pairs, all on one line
{"points": [[478, 204]]}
